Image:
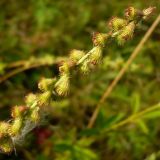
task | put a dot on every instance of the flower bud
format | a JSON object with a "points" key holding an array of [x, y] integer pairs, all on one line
{"points": [[76, 55], [126, 33], [96, 55], [46, 84], [44, 98], [148, 11], [117, 23], [18, 111], [35, 117], [62, 85], [4, 127], [30, 99], [6, 145], [130, 13], [16, 126], [99, 38]]}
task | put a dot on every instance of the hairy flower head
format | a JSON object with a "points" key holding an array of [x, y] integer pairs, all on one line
{"points": [[44, 98], [99, 38], [30, 99], [76, 55], [130, 13], [62, 86], [117, 23], [126, 33], [148, 11], [6, 145], [96, 55], [46, 84], [4, 127], [85, 66], [16, 126], [35, 115], [18, 111], [64, 68]]}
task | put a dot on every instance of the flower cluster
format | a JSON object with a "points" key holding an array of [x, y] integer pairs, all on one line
{"points": [[121, 29]]}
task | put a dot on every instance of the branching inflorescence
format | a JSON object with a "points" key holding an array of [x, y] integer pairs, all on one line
{"points": [[28, 116]]}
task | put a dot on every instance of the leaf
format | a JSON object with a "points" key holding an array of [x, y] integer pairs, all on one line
{"points": [[84, 153], [152, 115], [113, 119], [103, 122], [85, 141]]}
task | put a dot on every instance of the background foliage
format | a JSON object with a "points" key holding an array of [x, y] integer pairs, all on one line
{"points": [[45, 29]]}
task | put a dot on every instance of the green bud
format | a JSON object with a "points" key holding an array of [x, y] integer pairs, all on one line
{"points": [[76, 55], [44, 98], [46, 84], [16, 126], [6, 145], [126, 34], [96, 55], [117, 23], [62, 85]]}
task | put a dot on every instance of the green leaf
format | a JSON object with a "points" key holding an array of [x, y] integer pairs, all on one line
{"points": [[85, 141], [113, 119], [152, 115], [84, 153]]}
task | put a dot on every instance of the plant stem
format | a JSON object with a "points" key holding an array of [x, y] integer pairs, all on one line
{"points": [[24, 65]]}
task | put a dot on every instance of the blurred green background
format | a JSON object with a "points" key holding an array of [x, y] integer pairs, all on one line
{"points": [[40, 31]]}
